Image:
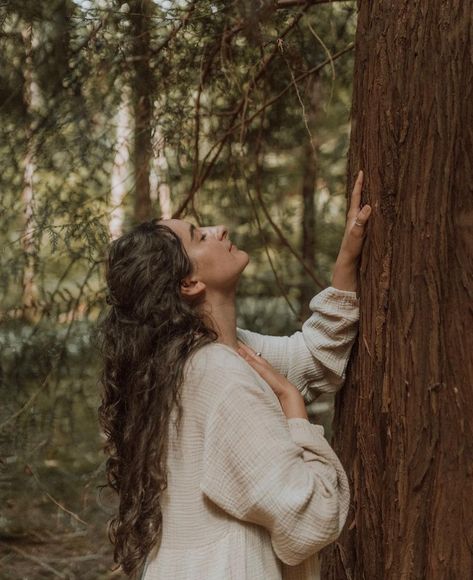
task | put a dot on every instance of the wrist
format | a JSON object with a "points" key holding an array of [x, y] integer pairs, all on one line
{"points": [[344, 276], [346, 260], [293, 405]]}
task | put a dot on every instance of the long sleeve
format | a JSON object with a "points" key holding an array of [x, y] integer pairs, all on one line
{"points": [[314, 359], [281, 474]]}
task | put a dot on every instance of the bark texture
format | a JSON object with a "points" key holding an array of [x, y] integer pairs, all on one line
{"points": [[404, 418]]}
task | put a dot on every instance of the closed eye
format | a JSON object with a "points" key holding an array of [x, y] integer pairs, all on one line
{"points": [[203, 237]]}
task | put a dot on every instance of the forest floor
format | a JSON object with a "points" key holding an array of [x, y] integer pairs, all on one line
{"points": [[47, 555], [46, 535]]}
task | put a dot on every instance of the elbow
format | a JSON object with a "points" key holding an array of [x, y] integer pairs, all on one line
{"points": [[303, 541], [334, 379], [330, 384]]}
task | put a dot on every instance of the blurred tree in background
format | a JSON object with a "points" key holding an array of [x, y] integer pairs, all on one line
{"points": [[113, 113]]}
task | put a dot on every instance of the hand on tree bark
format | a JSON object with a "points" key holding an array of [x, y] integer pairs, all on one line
{"points": [[354, 236], [344, 272]]}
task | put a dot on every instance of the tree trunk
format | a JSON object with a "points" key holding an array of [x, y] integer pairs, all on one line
{"points": [[308, 198], [30, 293], [141, 12], [404, 417], [160, 190], [120, 170]]}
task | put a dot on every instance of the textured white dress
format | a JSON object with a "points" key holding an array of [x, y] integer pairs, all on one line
{"points": [[251, 494]]}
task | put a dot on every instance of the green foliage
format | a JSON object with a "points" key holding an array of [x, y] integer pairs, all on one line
{"points": [[232, 116]]}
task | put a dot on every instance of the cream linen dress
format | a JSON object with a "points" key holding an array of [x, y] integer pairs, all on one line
{"points": [[251, 494]]}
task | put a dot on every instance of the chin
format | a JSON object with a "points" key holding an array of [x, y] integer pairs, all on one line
{"points": [[245, 260]]}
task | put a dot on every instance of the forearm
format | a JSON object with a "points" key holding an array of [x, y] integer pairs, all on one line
{"points": [[293, 405], [344, 276]]}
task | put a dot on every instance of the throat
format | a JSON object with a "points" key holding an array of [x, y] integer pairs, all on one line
{"points": [[220, 315]]}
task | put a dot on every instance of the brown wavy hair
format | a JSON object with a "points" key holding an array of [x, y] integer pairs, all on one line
{"points": [[145, 339]]}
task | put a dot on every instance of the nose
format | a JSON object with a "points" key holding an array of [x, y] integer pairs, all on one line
{"points": [[218, 232], [222, 232]]}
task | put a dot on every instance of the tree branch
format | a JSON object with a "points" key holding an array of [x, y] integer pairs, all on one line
{"points": [[220, 143], [291, 3]]}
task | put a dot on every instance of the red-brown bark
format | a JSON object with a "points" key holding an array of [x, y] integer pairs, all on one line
{"points": [[404, 418]]}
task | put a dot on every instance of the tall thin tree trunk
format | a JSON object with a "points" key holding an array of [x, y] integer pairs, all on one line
{"points": [[120, 170], [141, 12], [160, 190], [30, 291], [308, 196], [404, 418]]}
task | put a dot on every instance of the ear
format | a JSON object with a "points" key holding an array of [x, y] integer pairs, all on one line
{"points": [[191, 288]]}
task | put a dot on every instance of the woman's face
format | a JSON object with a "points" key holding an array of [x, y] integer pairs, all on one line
{"points": [[216, 261]]}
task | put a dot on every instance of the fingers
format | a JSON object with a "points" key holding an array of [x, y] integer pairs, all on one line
{"points": [[247, 350], [276, 381], [356, 193], [359, 216], [362, 217], [257, 362]]}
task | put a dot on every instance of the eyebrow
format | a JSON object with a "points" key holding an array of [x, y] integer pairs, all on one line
{"points": [[192, 231]]}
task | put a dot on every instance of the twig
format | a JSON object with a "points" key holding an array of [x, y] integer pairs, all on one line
{"points": [[182, 22], [83, 558], [258, 189], [268, 255], [292, 3], [220, 143], [75, 516], [27, 404], [204, 72], [34, 559], [301, 101], [313, 70], [329, 56], [285, 242]]}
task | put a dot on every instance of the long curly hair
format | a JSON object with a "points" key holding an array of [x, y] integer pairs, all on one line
{"points": [[145, 339]]}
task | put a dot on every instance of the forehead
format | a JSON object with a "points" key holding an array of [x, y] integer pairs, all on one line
{"points": [[180, 227]]}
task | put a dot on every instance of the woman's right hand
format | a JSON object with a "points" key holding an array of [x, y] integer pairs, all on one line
{"points": [[292, 402]]}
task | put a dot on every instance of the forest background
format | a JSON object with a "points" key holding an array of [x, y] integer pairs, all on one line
{"points": [[115, 112]]}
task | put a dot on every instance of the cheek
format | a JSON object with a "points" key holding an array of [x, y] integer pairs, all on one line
{"points": [[214, 263], [205, 260]]}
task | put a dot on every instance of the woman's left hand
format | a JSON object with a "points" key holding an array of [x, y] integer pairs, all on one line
{"points": [[354, 236], [278, 382]]}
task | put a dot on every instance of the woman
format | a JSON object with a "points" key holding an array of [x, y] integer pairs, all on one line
{"points": [[219, 473]]}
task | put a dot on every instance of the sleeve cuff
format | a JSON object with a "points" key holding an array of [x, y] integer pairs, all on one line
{"points": [[340, 297], [302, 430]]}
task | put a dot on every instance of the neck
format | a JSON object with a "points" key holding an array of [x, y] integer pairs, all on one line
{"points": [[219, 312]]}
